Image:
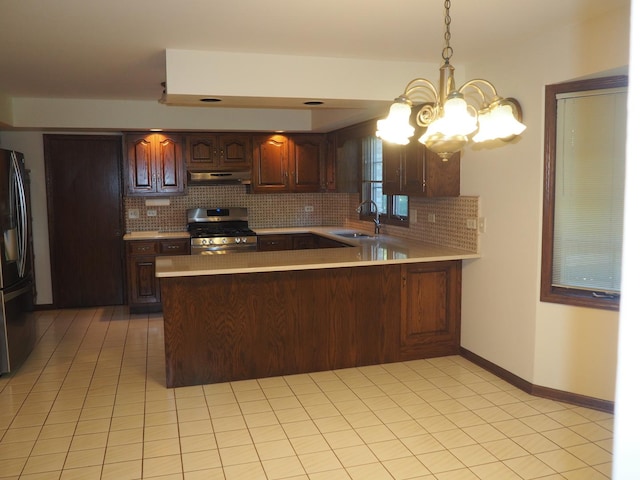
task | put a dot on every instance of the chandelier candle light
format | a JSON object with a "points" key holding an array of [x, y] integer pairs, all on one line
{"points": [[451, 120]]}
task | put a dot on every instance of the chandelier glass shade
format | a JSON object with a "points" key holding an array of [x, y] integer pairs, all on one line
{"points": [[452, 117]]}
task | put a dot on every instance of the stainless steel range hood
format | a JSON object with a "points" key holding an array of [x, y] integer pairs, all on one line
{"points": [[218, 177]]}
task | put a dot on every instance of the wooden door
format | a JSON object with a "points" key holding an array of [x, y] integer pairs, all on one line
{"points": [[413, 174], [140, 164], [84, 200], [201, 152], [169, 172], [442, 176], [430, 311], [306, 163], [235, 150], [270, 164]]}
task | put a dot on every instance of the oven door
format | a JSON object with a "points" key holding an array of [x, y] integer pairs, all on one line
{"points": [[220, 249]]}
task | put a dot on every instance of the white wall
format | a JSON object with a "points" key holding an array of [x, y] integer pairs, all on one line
{"points": [[566, 348]]}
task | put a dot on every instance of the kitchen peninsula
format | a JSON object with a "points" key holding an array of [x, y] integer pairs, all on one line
{"points": [[259, 314]]}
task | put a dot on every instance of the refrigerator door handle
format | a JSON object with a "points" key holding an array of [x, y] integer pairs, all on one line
{"points": [[21, 206]]}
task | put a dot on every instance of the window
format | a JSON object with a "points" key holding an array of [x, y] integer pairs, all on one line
{"points": [[394, 209], [585, 134]]}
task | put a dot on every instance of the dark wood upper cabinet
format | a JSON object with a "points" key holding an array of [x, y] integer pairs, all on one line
{"points": [[306, 162], [288, 164], [270, 164], [220, 151], [344, 157], [155, 164], [416, 171]]}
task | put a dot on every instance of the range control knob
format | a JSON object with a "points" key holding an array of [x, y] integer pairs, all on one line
{"points": [[238, 239]]}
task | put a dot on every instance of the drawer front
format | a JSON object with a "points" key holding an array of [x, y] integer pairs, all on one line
{"points": [[174, 247], [143, 247]]}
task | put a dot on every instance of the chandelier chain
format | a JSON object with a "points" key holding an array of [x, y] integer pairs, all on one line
{"points": [[447, 51]]}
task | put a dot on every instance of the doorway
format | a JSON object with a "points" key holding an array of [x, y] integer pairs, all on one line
{"points": [[84, 201]]}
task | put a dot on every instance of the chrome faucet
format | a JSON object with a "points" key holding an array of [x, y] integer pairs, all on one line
{"points": [[376, 219]]}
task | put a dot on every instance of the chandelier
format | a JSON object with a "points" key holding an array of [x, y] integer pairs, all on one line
{"points": [[452, 117]]}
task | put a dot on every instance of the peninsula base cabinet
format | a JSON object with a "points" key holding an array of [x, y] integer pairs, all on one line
{"points": [[144, 287], [430, 308], [221, 328]]}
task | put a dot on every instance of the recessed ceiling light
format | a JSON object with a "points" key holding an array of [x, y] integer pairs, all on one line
{"points": [[210, 100], [155, 129], [314, 102]]}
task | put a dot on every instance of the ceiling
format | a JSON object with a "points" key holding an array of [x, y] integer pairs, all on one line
{"points": [[116, 49]]}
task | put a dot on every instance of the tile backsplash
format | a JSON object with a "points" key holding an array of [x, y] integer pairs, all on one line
{"points": [[292, 210]]}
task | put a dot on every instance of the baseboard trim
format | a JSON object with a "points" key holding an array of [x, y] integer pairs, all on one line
{"points": [[536, 390]]}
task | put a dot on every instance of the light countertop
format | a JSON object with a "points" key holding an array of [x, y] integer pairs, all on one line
{"points": [[154, 235], [375, 250]]}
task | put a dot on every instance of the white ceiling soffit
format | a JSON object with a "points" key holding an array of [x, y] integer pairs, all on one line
{"points": [[271, 81]]}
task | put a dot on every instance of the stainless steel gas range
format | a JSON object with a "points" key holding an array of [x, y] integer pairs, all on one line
{"points": [[220, 230]]}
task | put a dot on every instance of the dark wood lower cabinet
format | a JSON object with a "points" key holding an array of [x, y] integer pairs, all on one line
{"points": [[430, 310], [144, 287], [222, 328], [296, 241]]}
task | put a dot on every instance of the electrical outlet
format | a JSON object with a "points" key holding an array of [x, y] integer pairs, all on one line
{"points": [[431, 217], [133, 213], [413, 215], [482, 225], [152, 213], [472, 224], [308, 208]]}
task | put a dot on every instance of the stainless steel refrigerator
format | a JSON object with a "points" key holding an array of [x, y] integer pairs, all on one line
{"points": [[17, 322]]}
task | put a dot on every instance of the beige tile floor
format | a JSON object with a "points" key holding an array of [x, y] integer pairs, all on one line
{"points": [[90, 403]]}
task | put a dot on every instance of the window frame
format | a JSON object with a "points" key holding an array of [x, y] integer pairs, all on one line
{"points": [[549, 292]]}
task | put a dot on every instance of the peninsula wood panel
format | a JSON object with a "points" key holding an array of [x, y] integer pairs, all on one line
{"points": [[430, 313], [232, 327]]}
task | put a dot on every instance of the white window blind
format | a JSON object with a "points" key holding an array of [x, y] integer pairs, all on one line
{"points": [[589, 196]]}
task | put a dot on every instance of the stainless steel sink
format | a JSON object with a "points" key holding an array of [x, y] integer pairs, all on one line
{"points": [[355, 235]]}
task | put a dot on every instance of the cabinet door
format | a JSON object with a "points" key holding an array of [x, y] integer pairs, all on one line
{"points": [[306, 163], [140, 168], [169, 164], [442, 177], [155, 164], [270, 164], [201, 153], [430, 311], [234, 151], [392, 160], [413, 170], [144, 287]]}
